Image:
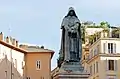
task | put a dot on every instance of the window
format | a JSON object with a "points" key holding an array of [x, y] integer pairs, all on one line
{"points": [[98, 49], [38, 64], [6, 74], [91, 54], [42, 78], [94, 51], [3, 54], [104, 47], [111, 65], [28, 77], [22, 64], [12, 75], [16, 63], [110, 48], [91, 70], [96, 67]]}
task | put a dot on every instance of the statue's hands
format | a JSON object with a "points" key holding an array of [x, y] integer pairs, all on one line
{"points": [[72, 28], [75, 27], [77, 24], [68, 28]]}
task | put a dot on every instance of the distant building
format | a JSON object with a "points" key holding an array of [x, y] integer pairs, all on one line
{"points": [[23, 62], [11, 58], [101, 53], [37, 62], [101, 56]]}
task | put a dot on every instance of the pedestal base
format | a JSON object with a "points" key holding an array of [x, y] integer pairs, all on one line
{"points": [[71, 76], [71, 70]]}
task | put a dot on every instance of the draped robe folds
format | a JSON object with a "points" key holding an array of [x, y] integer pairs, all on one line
{"points": [[71, 46]]}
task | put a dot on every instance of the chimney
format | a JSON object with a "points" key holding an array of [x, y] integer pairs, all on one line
{"points": [[7, 39], [16, 43], [42, 47], [23, 46], [1, 36], [13, 42]]}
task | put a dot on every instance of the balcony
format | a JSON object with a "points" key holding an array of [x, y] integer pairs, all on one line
{"points": [[115, 33]]}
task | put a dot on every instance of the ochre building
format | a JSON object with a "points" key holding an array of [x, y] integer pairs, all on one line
{"points": [[23, 61]]}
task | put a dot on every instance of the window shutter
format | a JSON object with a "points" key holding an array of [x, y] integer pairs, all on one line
{"points": [[115, 65], [114, 47], [106, 65], [38, 64], [104, 48], [16, 63]]}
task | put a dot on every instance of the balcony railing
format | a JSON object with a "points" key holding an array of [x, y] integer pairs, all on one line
{"points": [[103, 34]]}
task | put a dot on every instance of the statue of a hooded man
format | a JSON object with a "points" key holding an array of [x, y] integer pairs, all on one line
{"points": [[71, 47]]}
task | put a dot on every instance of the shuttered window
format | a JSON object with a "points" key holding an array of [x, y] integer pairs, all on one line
{"points": [[104, 48], [111, 65], [38, 64], [91, 70], [16, 63], [110, 48], [96, 67]]}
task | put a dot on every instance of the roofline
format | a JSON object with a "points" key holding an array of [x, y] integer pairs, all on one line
{"points": [[52, 53], [12, 47], [22, 50], [118, 39]]}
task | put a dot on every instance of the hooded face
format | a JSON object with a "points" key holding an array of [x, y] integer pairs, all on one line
{"points": [[71, 12]]}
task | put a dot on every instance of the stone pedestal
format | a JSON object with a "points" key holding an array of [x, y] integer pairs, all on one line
{"points": [[71, 70], [71, 76]]}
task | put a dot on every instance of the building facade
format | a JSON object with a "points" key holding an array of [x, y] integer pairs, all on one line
{"points": [[102, 56], [11, 58], [23, 61], [37, 62]]}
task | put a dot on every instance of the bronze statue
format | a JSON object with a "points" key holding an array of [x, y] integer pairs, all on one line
{"points": [[71, 43]]}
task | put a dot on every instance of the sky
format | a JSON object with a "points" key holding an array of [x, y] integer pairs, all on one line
{"points": [[38, 21]]}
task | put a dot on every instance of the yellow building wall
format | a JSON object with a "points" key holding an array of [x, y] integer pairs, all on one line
{"points": [[45, 65], [118, 70], [103, 73], [94, 74]]}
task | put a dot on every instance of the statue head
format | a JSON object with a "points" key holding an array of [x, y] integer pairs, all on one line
{"points": [[71, 12]]}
